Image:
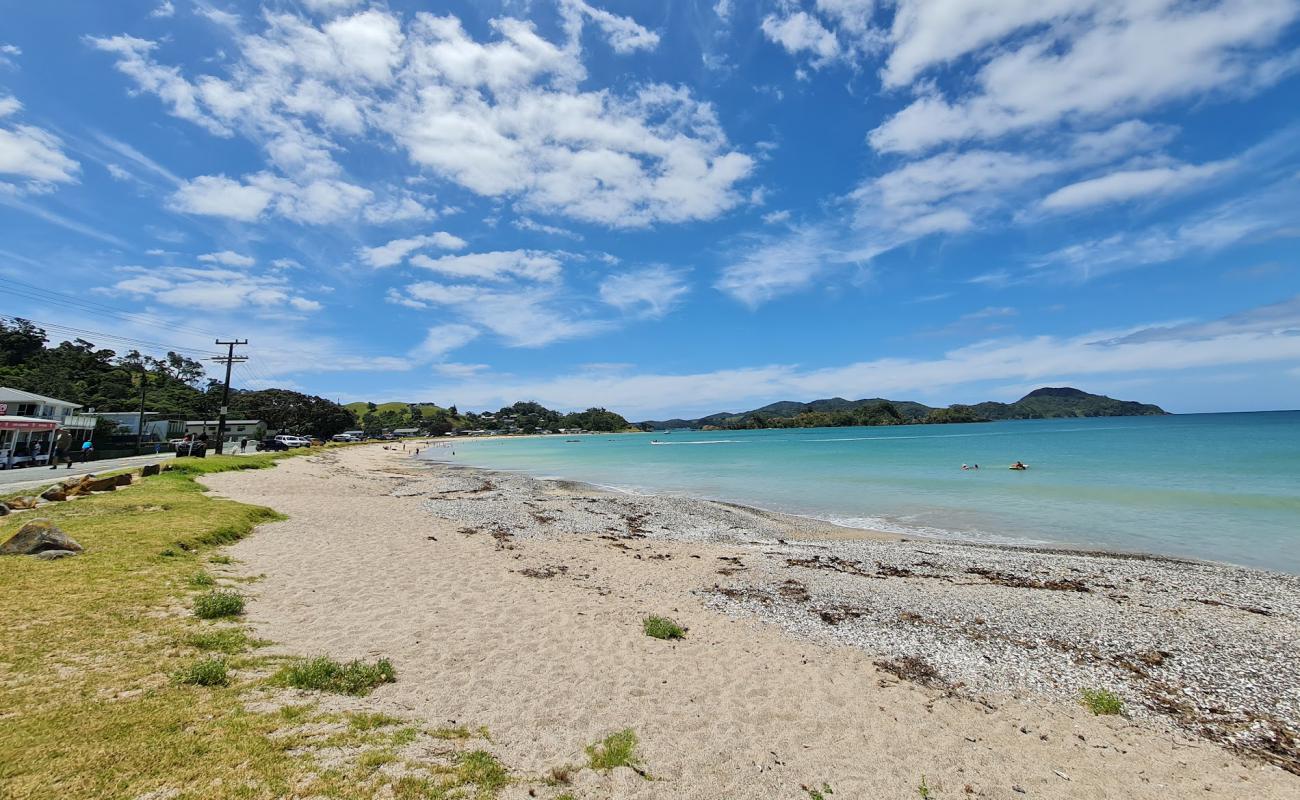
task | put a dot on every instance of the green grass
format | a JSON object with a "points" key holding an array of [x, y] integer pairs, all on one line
{"points": [[208, 672], [223, 640], [114, 724], [369, 721], [217, 604], [615, 750], [818, 794], [221, 559], [327, 675], [924, 790], [1102, 701], [201, 580], [482, 769], [662, 628]]}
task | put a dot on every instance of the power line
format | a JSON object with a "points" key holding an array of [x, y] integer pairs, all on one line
{"points": [[31, 292], [82, 332], [230, 359]]}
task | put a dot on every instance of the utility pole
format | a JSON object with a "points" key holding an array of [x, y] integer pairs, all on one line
{"points": [[229, 359], [139, 431]]}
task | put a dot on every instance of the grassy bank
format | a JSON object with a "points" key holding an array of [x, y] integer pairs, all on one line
{"points": [[111, 687]]}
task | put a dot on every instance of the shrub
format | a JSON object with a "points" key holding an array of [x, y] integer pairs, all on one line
{"points": [[615, 750], [662, 628], [208, 672], [217, 604], [1102, 701], [327, 675]]}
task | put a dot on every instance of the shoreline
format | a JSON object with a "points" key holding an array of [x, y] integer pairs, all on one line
{"points": [[516, 602], [853, 532]]}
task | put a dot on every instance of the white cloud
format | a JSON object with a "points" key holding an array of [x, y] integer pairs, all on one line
{"points": [[387, 255], [773, 266], [624, 34], [776, 217], [9, 52], [330, 6], [219, 196], [33, 154], [229, 258], [650, 293], [1131, 184], [503, 118], [1239, 340], [163, 10], [1097, 58], [800, 32], [530, 265], [286, 263], [213, 288], [532, 316], [443, 339], [529, 224]]}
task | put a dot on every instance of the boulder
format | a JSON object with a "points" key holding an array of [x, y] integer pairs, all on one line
{"points": [[4, 509], [37, 536], [27, 501], [53, 555], [124, 479], [55, 494], [92, 484], [149, 470]]}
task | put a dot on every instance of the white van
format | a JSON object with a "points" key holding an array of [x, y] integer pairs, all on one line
{"points": [[293, 441]]}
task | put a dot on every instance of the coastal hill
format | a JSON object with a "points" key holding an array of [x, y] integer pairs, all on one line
{"points": [[1046, 403]]}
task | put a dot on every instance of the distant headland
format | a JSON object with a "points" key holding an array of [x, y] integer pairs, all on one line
{"points": [[1049, 402]]}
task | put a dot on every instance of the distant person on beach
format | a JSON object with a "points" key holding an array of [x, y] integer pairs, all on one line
{"points": [[243, 444]]}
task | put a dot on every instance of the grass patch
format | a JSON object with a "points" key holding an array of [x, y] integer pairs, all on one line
{"points": [[208, 672], [482, 769], [662, 628], [367, 721], [372, 760], [1102, 701], [324, 674], [201, 580], [221, 640], [297, 713], [615, 750], [221, 559], [217, 604], [453, 732]]}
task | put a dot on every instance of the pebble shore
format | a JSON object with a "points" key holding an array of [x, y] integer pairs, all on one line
{"points": [[1207, 649]]}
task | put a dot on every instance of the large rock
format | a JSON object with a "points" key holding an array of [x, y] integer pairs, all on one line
{"points": [[38, 536], [149, 470], [90, 483], [4, 509], [124, 479], [55, 494], [24, 502]]}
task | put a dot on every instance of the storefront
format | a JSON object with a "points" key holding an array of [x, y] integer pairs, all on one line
{"points": [[25, 441]]}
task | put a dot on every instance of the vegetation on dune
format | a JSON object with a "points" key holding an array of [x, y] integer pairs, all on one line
{"points": [[662, 628], [616, 750], [217, 604], [1102, 701], [521, 417], [327, 675]]}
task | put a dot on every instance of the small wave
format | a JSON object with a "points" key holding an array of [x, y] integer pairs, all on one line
{"points": [[887, 525], [706, 441]]}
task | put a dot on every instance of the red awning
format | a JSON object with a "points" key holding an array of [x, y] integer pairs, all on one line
{"points": [[26, 425]]}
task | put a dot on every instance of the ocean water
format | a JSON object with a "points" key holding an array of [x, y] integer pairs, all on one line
{"points": [[1221, 487]]}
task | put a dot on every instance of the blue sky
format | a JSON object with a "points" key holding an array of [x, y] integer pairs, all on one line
{"points": [[667, 207]]}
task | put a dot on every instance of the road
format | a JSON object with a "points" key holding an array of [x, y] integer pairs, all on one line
{"points": [[12, 480]]}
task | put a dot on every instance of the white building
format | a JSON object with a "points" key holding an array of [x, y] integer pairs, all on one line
{"points": [[156, 428], [31, 425], [236, 429]]}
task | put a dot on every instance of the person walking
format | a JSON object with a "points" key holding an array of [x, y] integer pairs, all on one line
{"points": [[243, 444], [36, 452], [55, 450]]}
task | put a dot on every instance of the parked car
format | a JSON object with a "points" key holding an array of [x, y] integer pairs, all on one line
{"points": [[272, 444], [196, 449], [293, 441], [344, 437]]}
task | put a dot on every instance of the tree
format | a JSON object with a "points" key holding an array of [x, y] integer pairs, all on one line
{"points": [[285, 410]]}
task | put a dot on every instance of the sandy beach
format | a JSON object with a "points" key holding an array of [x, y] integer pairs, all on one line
{"points": [[813, 658]]}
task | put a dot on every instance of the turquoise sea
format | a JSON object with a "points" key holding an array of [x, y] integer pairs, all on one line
{"points": [[1222, 487]]}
